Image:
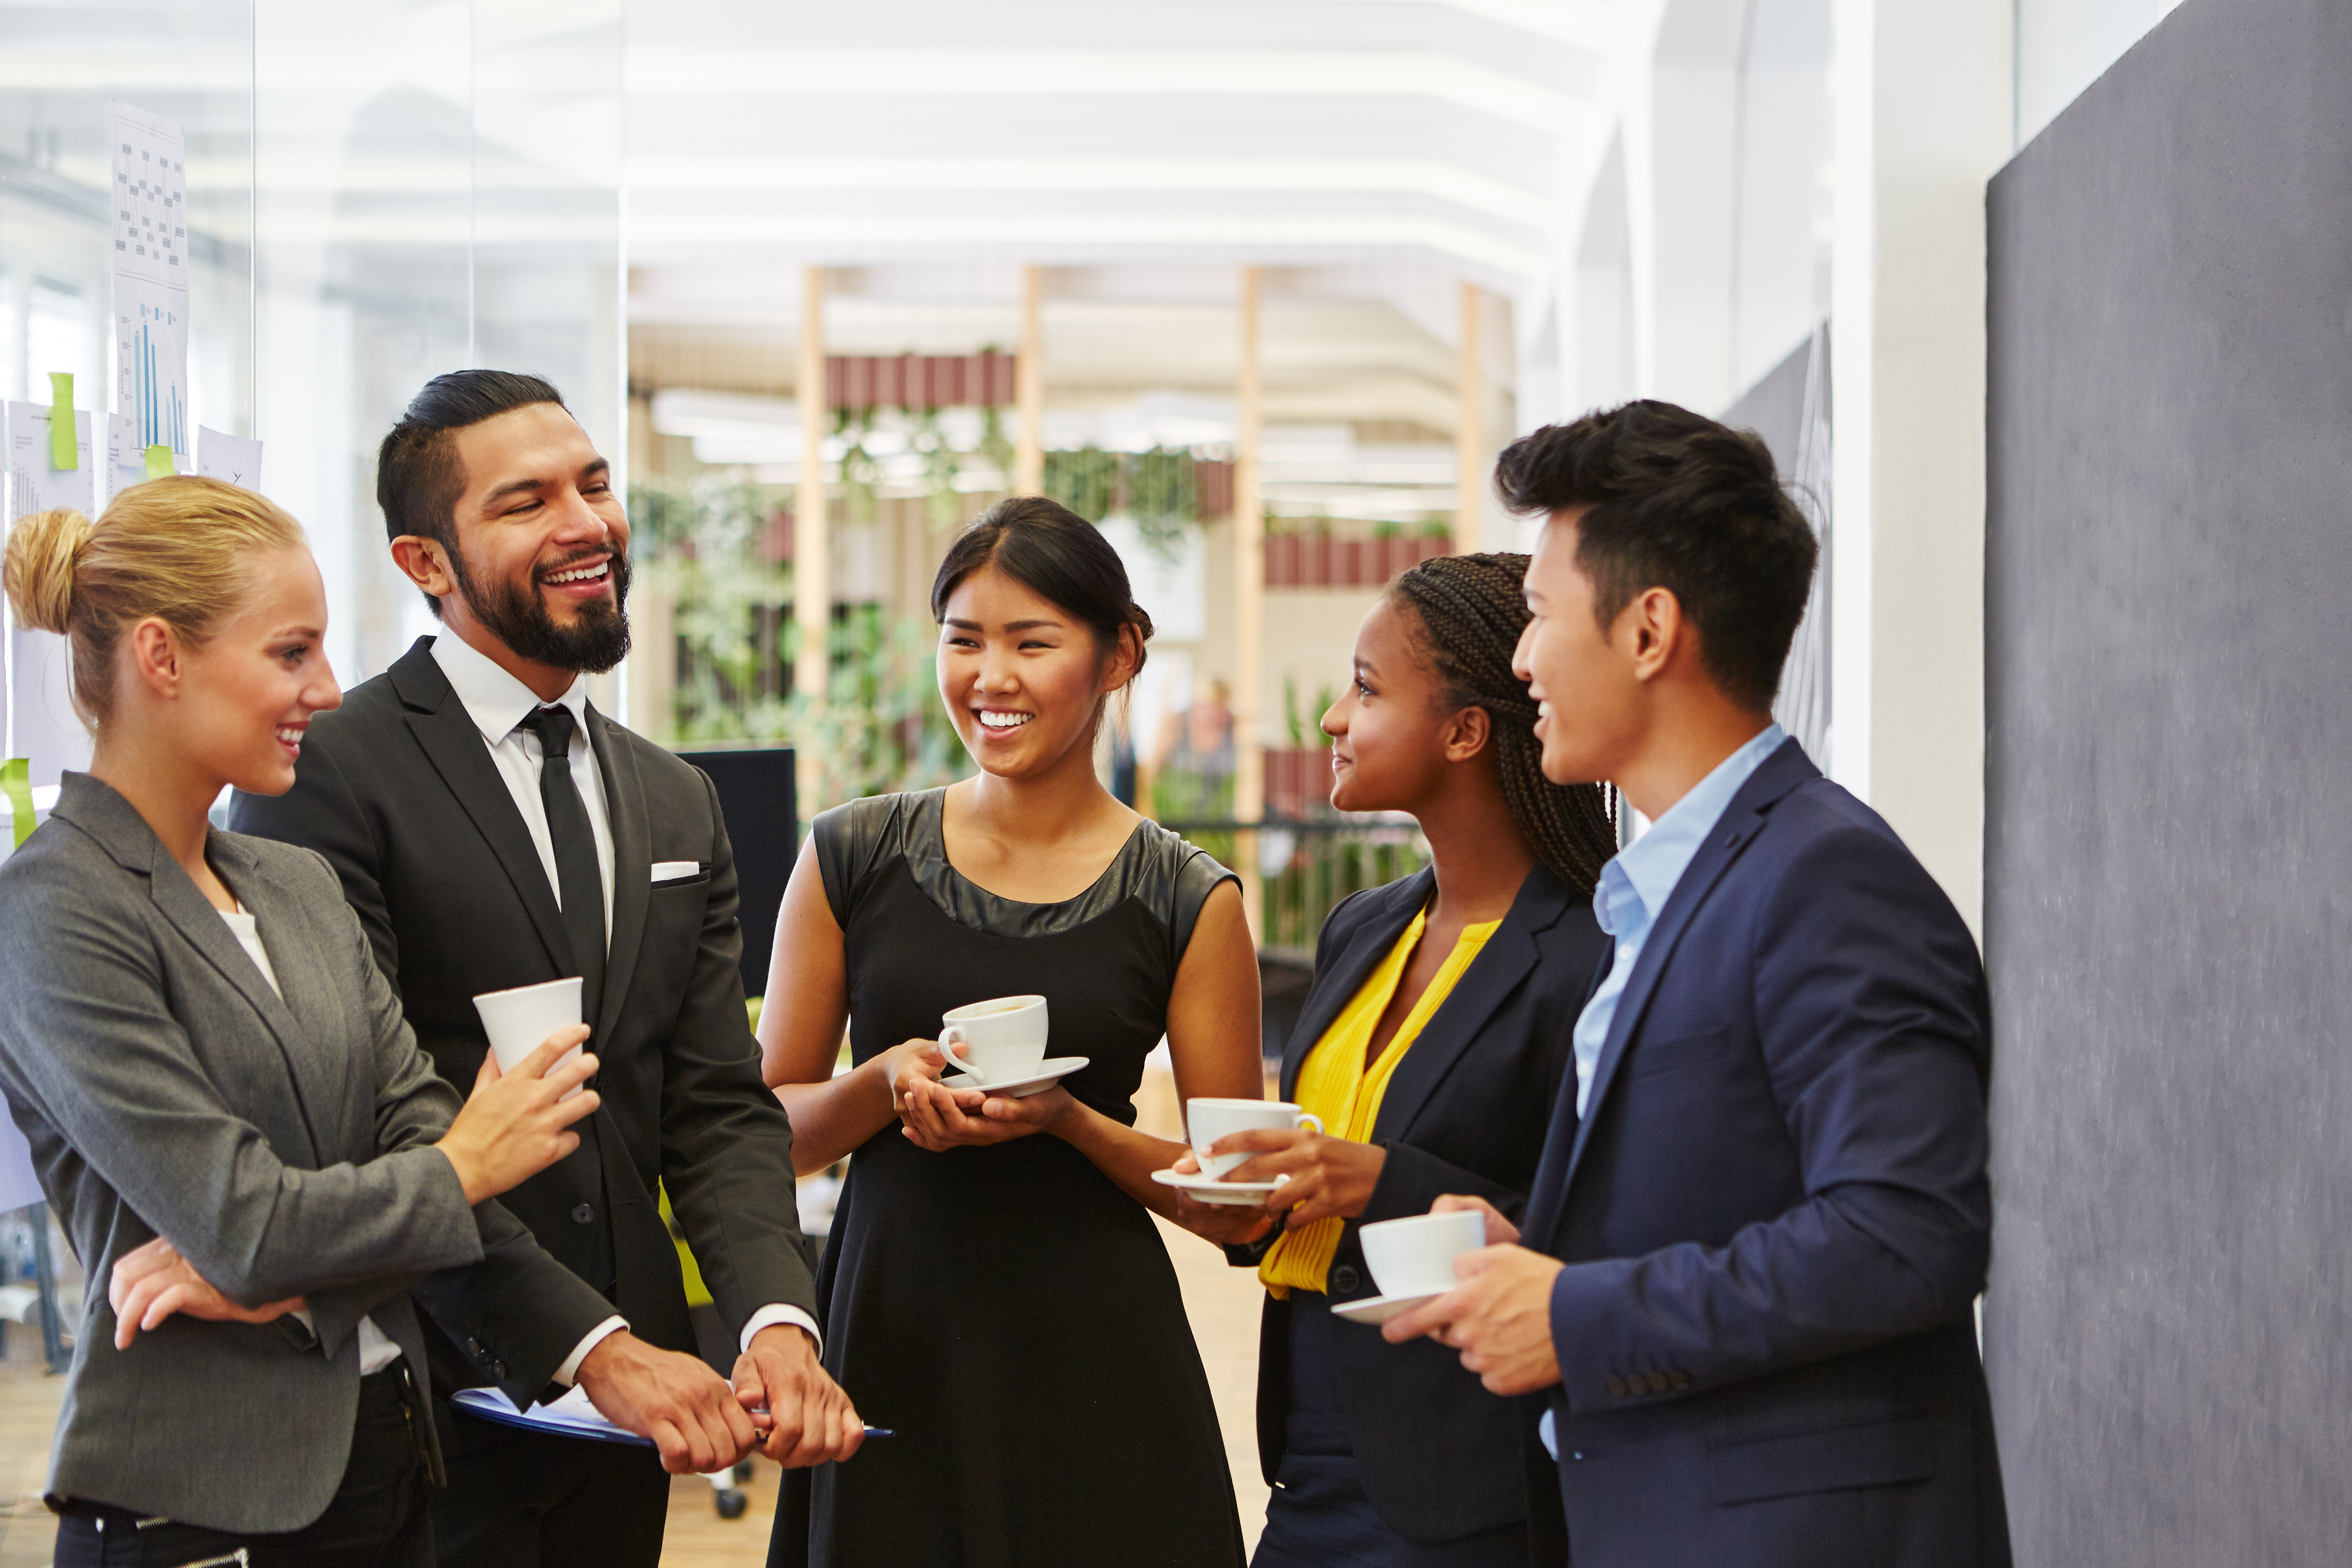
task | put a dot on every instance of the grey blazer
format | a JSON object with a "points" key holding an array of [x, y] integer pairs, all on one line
{"points": [[281, 1145]]}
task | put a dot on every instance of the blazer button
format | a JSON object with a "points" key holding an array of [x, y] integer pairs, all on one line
{"points": [[1344, 1279], [1680, 1382], [1657, 1382], [1616, 1386], [498, 1370], [582, 1213], [474, 1349]]}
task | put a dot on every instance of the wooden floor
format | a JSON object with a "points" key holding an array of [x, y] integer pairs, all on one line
{"points": [[1222, 1303], [29, 1399]]}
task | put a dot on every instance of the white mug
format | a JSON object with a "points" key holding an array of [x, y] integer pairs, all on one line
{"points": [[1414, 1256], [1210, 1120], [519, 1021], [1003, 1040]]}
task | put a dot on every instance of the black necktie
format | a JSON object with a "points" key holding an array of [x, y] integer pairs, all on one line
{"points": [[578, 884]]}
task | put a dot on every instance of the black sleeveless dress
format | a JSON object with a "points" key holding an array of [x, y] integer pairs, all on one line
{"points": [[1008, 1311]]}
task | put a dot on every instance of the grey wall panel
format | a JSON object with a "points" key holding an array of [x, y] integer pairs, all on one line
{"points": [[2168, 812]]}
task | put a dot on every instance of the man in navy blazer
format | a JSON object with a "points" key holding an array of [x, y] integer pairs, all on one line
{"points": [[1742, 1297]]}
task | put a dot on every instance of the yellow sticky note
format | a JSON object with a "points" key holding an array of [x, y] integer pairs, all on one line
{"points": [[159, 462], [16, 783], [61, 422]]}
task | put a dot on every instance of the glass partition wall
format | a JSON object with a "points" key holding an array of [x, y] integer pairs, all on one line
{"points": [[378, 190]]}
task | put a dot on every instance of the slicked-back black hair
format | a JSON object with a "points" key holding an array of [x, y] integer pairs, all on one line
{"points": [[417, 476], [1675, 501]]}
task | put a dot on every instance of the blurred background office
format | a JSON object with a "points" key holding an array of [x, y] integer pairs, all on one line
{"points": [[1264, 287]]}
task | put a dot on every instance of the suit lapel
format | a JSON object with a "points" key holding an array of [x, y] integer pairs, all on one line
{"points": [[1781, 772], [301, 965], [1399, 901], [1550, 1184], [118, 828], [1492, 976], [446, 733], [625, 803]]}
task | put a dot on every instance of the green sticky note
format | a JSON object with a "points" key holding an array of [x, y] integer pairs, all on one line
{"points": [[62, 455], [16, 783], [159, 462]]}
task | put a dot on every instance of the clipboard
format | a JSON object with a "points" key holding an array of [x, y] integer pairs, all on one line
{"points": [[570, 1417]]}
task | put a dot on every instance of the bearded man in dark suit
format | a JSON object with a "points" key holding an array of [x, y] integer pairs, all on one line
{"points": [[494, 830]]}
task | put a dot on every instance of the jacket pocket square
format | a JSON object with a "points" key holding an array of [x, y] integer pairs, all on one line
{"points": [[675, 870]]}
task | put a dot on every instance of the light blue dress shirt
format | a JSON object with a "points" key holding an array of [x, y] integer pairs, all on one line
{"points": [[1634, 887], [1635, 884]]}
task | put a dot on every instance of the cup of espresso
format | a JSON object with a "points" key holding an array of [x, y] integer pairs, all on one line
{"points": [[519, 1021], [1003, 1040], [1210, 1120], [1414, 1256]]}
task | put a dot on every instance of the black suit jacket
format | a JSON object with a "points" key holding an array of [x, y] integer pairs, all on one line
{"points": [[1774, 1217], [1465, 1112], [398, 791]]}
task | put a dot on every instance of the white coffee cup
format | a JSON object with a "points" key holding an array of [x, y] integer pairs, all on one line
{"points": [[519, 1021], [1414, 1256], [1210, 1120], [1003, 1040]]}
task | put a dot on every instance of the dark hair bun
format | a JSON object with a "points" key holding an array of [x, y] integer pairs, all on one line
{"points": [[1055, 554]]}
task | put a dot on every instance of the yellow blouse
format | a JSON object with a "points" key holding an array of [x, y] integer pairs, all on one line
{"points": [[1345, 1095]]}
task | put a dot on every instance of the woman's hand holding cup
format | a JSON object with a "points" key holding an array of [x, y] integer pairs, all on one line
{"points": [[518, 1123], [1220, 1224], [908, 1066], [1320, 1176], [937, 1117]]}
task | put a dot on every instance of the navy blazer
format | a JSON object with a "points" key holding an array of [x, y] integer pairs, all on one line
{"points": [[1776, 1219], [1466, 1112]]}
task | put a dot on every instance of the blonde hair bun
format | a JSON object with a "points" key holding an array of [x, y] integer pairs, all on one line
{"points": [[179, 549], [42, 550]]}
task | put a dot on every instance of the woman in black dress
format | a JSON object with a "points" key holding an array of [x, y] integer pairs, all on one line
{"points": [[1433, 1047], [995, 1291]]}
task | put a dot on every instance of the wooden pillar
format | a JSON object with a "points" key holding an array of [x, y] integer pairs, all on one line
{"points": [[812, 538], [1029, 389], [1249, 602], [1469, 433]]}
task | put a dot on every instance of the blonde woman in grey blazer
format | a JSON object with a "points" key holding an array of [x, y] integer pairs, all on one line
{"points": [[226, 1111]]}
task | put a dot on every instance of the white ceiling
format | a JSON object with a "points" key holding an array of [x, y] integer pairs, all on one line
{"points": [[1405, 142]]}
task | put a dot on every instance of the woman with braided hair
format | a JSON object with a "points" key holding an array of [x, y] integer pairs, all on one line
{"points": [[1432, 1048]]}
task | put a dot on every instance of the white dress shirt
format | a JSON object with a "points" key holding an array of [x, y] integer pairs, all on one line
{"points": [[377, 1350], [498, 703]]}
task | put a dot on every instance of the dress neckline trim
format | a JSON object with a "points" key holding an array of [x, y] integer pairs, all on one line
{"points": [[936, 802]]}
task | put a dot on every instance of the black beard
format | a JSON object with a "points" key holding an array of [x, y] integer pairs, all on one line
{"points": [[517, 615]]}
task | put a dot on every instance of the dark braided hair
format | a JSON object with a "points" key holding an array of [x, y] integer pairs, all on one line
{"points": [[1472, 608]]}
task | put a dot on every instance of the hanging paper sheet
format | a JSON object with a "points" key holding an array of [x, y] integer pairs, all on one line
{"points": [[33, 485], [234, 458], [150, 278], [126, 460]]}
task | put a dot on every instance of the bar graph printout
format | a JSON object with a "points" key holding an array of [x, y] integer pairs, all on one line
{"points": [[150, 278], [33, 485]]}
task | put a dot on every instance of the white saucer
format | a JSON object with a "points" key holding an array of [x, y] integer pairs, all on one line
{"points": [[1049, 1069], [1209, 1190], [1379, 1309]]}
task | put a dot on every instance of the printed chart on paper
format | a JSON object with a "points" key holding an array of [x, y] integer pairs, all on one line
{"points": [[150, 278]]}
